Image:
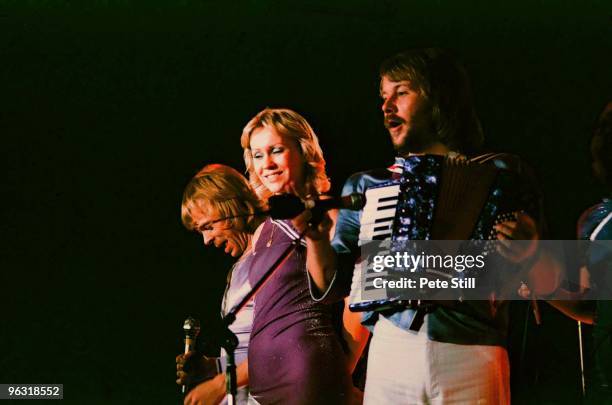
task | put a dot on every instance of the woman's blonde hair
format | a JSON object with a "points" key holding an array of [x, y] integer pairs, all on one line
{"points": [[292, 125], [226, 191]]}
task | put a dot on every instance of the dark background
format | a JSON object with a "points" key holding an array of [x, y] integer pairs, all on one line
{"points": [[107, 110]]}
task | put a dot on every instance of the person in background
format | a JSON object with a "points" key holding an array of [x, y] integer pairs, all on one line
{"points": [[591, 304], [219, 204], [596, 224]]}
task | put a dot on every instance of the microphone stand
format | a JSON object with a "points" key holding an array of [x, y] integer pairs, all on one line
{"points": [[229, 342]]}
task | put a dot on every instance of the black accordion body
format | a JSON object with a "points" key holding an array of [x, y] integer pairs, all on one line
{"points": [[438, 198]]}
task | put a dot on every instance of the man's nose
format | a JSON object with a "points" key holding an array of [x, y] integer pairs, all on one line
{"points": [[388, 105], [207, 238]]}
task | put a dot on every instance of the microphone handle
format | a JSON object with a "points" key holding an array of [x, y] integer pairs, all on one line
{"points": [[189, 344]]}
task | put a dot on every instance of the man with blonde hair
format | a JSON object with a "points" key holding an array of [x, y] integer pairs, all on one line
{"points": [[453, 357], [219, 204]]}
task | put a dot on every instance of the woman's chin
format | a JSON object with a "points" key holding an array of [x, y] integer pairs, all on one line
{"points": [[276, 190], [278, 187]]}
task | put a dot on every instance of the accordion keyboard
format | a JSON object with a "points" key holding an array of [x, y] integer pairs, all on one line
{"points": [[378, 213], [376, 224]]}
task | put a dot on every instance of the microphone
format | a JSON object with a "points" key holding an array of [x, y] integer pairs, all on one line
{"points": [[287, 206], [192, 330]]}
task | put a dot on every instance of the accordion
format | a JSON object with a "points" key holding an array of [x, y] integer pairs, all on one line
{"points": [[439, 198]]}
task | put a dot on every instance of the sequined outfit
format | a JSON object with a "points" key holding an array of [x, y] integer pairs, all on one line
{"points": [[295, 355]]}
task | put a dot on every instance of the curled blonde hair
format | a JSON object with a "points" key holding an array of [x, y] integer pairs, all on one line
{"points": [[225, 190], [292, 125]]}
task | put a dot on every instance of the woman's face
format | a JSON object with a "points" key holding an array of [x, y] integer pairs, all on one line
{"points": [[217, 231], [277, 161]]}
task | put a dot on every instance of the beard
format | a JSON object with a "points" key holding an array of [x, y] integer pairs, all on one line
{"points": [[415, 141], [420, 134], [419, 137]]}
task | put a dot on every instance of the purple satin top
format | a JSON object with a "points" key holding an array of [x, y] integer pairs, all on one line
{"points": [[295, 355]]}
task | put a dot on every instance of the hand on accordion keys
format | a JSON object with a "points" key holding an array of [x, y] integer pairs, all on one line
{"points": [[518, 238]]}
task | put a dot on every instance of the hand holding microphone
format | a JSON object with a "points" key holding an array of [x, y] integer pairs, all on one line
{"points": [[192, 367], [191, 327], [310, 216], [288, 206]]}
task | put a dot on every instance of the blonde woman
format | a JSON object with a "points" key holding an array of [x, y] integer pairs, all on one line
{"points": [[295, 354]]}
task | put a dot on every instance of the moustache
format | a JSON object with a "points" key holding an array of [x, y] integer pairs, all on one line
{"points": [[391, 121]]}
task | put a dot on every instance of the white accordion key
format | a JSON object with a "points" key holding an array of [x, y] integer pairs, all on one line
{"points": [[378, 213]]}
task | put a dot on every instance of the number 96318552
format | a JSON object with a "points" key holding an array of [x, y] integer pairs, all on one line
{"points": [[31, 391]]}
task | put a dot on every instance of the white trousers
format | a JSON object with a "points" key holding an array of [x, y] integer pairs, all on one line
{"points": [[408, 368]]}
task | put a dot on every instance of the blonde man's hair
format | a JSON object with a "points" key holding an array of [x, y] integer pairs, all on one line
{"points": [[440, 78], [224, 190], [290, 124]]}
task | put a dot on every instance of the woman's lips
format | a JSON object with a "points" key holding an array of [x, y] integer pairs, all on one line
{"points": [[273, 176]]}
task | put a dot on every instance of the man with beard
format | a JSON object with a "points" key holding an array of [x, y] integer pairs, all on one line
{"points": [[453, 357]]}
